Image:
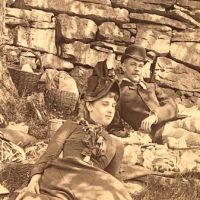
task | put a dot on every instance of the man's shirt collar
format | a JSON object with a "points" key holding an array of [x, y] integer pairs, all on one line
{"points": [[142, 84]]}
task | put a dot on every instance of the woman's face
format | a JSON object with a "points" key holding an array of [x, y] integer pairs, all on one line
{"points": [[102, 111]]}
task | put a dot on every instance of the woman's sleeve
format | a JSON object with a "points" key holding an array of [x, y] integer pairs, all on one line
{"points": [[54, 148], [114, 165]]}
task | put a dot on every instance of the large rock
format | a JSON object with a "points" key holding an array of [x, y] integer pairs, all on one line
{"points": [[52, 61], [138, 6], [184, 17], [29, 15], [82, 53], [189, 35], [154, 37], [37, 39], [115, 48], [192, 4], [157, 19], [97, 12], [69, 28], [187, 52], [110, 32], [175, 75]]}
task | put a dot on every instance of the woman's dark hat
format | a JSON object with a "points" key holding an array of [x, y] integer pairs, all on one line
{"points": [[100, 83], [134, 51]]}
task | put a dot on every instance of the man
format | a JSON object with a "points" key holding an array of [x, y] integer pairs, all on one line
{"points": [[144, 105]]}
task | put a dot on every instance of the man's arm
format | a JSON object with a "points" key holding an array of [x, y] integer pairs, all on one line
{"points": [[168, 108]]}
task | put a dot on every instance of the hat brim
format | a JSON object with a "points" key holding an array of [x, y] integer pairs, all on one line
{"points": [[107, 87], [125, 56]]}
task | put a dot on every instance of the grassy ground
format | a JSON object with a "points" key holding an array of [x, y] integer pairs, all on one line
{"points": [[186, 187]]}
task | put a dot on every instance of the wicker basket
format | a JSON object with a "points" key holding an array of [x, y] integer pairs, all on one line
{"points": [[62, 100], [25, 82]]}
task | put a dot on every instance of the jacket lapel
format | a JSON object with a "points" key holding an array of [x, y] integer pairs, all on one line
{"points": [[148, 97]]}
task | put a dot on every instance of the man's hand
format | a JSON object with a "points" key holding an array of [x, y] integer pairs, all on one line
{"points": [[147, 123]]}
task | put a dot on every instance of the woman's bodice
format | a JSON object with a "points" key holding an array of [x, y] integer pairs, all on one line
{"points": [[83, 145]]}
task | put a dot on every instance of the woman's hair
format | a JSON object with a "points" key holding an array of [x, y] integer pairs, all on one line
{"points": [[84, 112]]}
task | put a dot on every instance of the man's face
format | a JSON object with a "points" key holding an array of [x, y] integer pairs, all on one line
{"points": [[102, 111], [133, 69]]}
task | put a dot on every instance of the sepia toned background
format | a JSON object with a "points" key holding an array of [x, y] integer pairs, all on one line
{"points": [[74, 35]]}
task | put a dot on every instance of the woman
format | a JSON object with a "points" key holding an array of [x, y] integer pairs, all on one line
{"points": [[91, 157]]}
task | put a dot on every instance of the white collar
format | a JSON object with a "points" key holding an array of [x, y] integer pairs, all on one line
{"points": [[141, 83]]}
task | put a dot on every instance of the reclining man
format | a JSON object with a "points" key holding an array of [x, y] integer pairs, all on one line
{"points": [[147, 108]]}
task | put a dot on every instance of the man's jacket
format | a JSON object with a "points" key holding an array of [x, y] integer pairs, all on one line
{"points": [[139, 101]]}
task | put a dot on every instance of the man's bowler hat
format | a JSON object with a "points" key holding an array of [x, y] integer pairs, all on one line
{"points": [[134, 51]]}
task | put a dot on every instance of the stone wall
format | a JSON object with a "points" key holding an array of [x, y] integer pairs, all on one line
{"points": [[75, 35]]}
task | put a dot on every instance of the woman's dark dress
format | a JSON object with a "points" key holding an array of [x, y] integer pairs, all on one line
{"points": [[70, 177]]}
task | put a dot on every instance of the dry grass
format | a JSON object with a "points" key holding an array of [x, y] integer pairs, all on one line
{"points": [[20, 110], [185, 187]]}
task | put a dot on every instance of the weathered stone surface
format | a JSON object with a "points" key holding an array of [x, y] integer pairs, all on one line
{"points": [[189, 35], [8, 35], [81, 75], [175, 75], [138, 6], [104, 2], [29, 15], [2, 20], [129, 26], [82, 53], [184, 17], [133, 31], [27, 60], [43, 25], [196, 15], [187, 52], [144, 17], [12, 21], [38, 39], [189, 4], [70, 28], [161, 2], [154, 37], [54, 62], [103, 49], [115, 48], [110, 32], [12, 54], [89, 10]]}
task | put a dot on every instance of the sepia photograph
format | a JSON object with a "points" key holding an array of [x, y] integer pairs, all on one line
{"points": [[99, 99]]}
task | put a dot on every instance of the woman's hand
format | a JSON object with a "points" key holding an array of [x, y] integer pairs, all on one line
{"points": [[32, 187], [2, 121]]}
